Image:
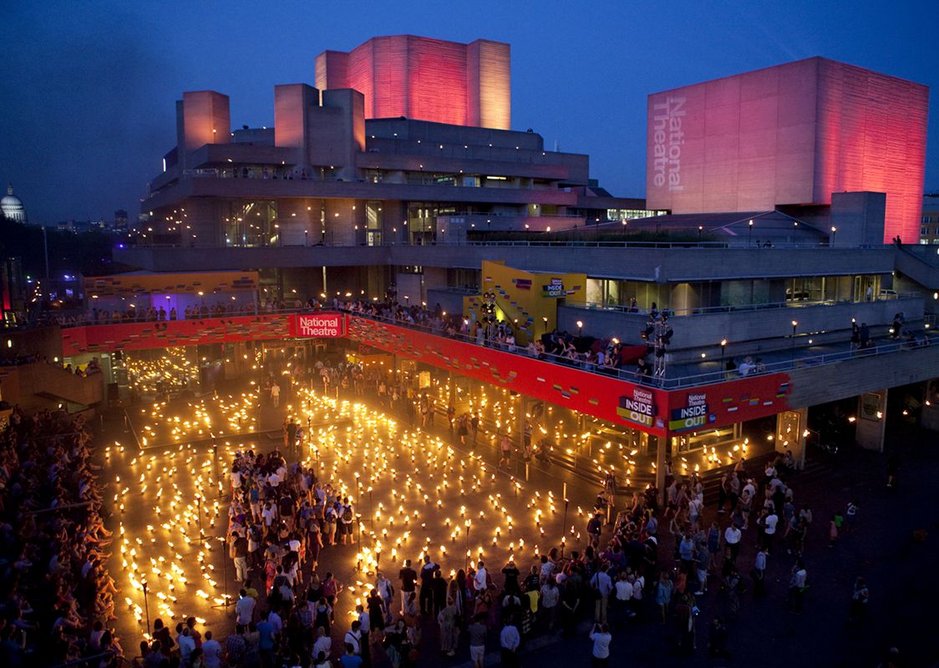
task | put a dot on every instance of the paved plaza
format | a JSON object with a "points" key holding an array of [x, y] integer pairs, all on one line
{"points": [[422, 492]]}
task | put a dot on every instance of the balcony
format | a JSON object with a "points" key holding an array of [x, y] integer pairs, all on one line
{"points": [[751, 328]]}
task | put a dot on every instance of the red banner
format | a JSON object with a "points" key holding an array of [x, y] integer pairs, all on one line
{"points": [[644, 407], [606, 397], [725, 403]]}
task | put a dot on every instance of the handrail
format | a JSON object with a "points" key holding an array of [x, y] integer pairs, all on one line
{"points": [[736, 308], [795, 363], [734, 245], [669, 382]]}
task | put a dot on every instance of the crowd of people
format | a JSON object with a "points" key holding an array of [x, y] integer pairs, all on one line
{"points": [[485, 329], [56, 598], [647, 564]]}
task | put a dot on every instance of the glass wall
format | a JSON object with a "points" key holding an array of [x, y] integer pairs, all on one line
{"points": [[695, 297], [251, 223]]}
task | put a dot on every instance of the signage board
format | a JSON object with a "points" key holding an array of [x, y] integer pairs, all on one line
{"points": [[692, 415], [319, 325], [638, 407]]}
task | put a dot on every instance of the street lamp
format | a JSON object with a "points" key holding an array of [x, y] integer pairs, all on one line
{"points": [[580, 328], [544, 319], [700, 230], [833, 231], [750, 233], [146, 604], [795, 324], [723, 346]]}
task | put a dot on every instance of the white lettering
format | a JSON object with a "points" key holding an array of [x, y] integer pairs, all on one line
{"points": [[668, 137]]}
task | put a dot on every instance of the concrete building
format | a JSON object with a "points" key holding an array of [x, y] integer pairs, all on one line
{"points": [[778, 202], [788, 137], [929, 223], [425, 79]]}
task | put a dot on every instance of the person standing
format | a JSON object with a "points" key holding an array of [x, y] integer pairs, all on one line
{"points": [[427, 591], [477, 640], [365, 629], [602, 585], [244, 608], [601, 637], [509, 641], [663, 593], [266, 641], [759, 572], [211, 651], [732, 536], [408, 577], [481, 579], [797, 583], [239, 554], [449, 630], [275, 394], [859, 600], [770, 522]]}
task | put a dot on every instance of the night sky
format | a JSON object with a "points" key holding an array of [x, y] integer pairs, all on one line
{"points": [[88, 89]]}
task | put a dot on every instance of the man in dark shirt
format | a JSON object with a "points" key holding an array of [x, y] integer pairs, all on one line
{"points": [[427, 591], [408, 577], [510, 571]]}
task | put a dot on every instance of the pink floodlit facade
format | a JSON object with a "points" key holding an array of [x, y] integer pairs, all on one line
{"points": [[425, 79], [789, 135], [206, 119]]}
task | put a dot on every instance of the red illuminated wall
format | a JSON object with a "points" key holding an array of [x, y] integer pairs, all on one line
{"points": [[789, 135], [425, 79], [148, 335], [872, 136]]}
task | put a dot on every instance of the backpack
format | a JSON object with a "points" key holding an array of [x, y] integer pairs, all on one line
{"points": [[347, 514]]}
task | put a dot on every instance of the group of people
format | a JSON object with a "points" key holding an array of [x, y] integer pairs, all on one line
{"points": [[56, 598], [558, 346]]}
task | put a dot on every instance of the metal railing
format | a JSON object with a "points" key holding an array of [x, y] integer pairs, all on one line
{"points": [[668, 382], [672, 380], [797, 362], [737, 308]]}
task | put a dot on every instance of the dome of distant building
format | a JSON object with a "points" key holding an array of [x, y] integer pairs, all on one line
{"points": [[12, 207]]}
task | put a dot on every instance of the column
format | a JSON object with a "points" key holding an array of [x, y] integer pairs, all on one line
{"points": [[872, 420], [662, 443], [790, 434]]}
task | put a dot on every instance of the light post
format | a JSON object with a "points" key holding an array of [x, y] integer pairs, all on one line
{"points": [[700, 230], [795, 324], [544, 319], [833, 231], [750, 233], [580, 328], [564, 525], [466, 528], [723, 346], [146, 605]]}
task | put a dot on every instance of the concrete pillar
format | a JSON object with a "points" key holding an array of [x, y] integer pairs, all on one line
{"points": [[521, 420], [298, 222], [790, 430], [394, 232], [872, 420], [340, 222], [662, 443]]}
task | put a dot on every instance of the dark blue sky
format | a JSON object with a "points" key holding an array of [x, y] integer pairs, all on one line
{"points": [[88, 90]]}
